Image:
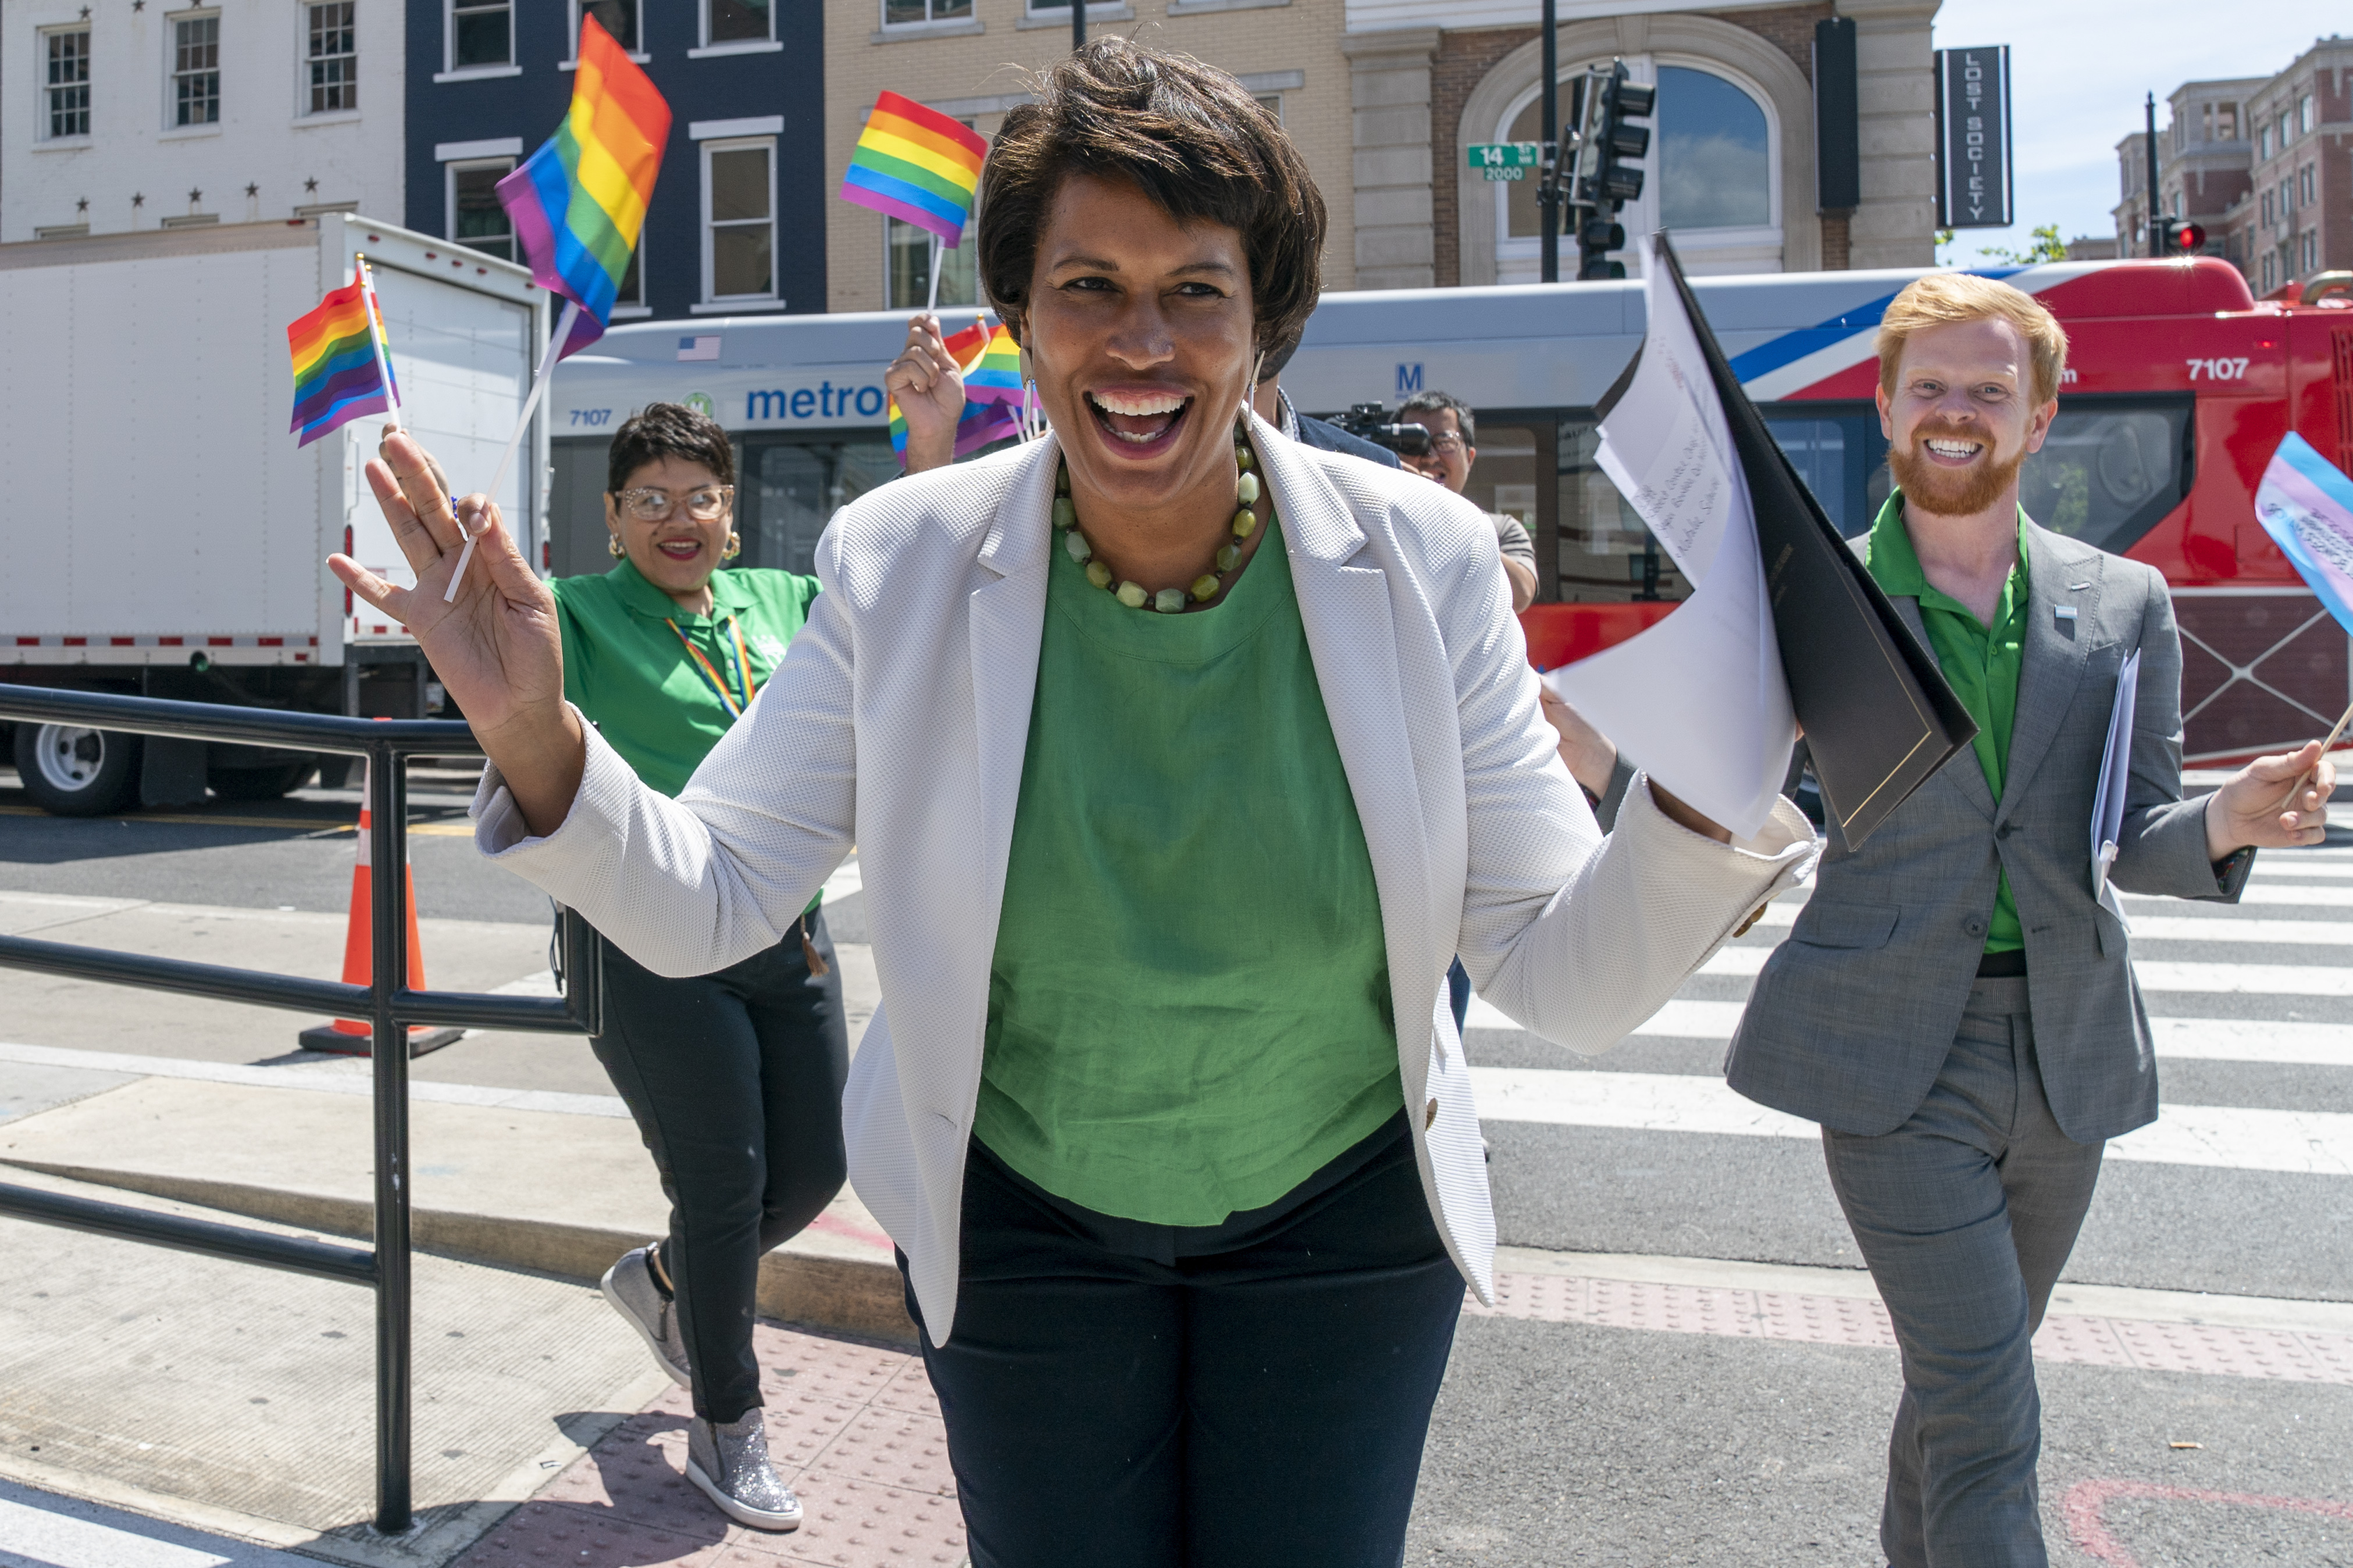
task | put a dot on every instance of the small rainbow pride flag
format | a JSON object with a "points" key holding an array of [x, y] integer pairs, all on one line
{"points": [[579, 203], [338, 374], [917, 163], [995, 375], [984, 419]]}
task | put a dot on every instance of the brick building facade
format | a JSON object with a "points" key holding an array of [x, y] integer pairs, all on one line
{"points": [[2266, 163]]}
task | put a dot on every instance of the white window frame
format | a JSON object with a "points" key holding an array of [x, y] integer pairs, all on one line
{"points": [[303, 61], [1515, 254], [705, 48], [171, 35], [452, 70], [571, 61], [41, 71], [631, 310], [929, 20], [711, 303], [450, 169]]}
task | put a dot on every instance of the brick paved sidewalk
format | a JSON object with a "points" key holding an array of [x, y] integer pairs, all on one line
{"points": [[854, 1430]]}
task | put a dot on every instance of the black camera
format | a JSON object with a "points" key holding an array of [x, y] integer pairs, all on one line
{"points": [[1370, 422]]}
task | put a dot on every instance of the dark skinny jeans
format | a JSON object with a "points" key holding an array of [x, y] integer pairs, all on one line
{"points": [[735, 1081]]}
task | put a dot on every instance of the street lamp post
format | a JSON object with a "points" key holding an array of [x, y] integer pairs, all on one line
{"points": [[1548, 191], [2155, 243], [1078, 25]]}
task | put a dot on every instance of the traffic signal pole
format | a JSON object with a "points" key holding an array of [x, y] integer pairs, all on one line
{"points": [[1078, 26], [2156, 232], [1548, 191]]}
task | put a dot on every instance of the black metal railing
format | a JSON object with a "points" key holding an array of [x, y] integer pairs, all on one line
{"points": [[386, 1002]]}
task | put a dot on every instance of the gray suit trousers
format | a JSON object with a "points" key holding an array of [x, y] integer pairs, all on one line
{"points": [[1965, 1213]]}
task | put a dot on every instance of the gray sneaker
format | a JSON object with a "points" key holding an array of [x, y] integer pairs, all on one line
{"points": [[730, 1465], [630, 1286]]}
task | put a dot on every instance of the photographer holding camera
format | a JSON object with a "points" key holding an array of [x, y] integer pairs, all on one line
{"points": [[1452, 449]]}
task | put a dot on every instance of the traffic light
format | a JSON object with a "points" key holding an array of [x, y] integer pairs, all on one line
{"points": [[1616, 141], [2179, 237]]}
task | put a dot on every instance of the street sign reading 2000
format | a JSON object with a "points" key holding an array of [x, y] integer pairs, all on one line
{"points": [[1505, 160]]}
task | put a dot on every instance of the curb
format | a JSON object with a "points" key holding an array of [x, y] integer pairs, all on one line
{"points": [[865, 1299]]}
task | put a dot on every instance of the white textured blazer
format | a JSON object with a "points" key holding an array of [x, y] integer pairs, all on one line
{"points": [[897, 722]]}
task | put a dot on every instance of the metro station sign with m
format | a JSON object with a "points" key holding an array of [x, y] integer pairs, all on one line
{"points": [[1973, 143]]}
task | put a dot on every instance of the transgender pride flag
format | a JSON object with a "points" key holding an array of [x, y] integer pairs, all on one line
{"points": [[2306, 504]]}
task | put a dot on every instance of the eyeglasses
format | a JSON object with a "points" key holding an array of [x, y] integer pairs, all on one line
{"points": [[646, 504], [1447, 441]]}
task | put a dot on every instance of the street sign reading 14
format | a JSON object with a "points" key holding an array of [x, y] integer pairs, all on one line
{"points": [[1505, 160]]}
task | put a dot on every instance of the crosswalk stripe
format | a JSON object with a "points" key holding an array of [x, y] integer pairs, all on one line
{"points": [[2230, 1137], [2193, 928], [2313, 895], [2271, 870], [2176, 1039]]}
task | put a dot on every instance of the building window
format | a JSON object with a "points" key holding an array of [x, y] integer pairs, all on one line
{"points": [[2311, 250], [631, 295], [68, 82], [618, 17], [1273, 103], [739, 211], [480, 33], [333, 55], [195, 71], [2303, 113], [2267, 209], [909, 252], [737, 21], [1713, 175], [900, 13], [2311, 190], [2262, 143], [477, 218]]}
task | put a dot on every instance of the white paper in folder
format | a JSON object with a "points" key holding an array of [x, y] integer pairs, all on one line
{"points": [[1698, 700], [2115, 774]]}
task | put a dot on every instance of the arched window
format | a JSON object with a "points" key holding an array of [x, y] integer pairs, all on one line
{"points": [[1715, 153], [1713, 175]]}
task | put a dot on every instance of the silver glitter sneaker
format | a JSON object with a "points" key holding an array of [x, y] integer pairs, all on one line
{"points": [[630, 1286], [730, 1463]]}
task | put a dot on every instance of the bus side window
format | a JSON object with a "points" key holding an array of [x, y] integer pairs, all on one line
{"points": [[2110, 470], [1838, 452]]}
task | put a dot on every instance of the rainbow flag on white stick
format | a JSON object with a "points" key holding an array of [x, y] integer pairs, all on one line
{"points": [[2306, 504]]}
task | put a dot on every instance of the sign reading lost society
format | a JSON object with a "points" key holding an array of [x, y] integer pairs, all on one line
{"points": [[1973, 159]]}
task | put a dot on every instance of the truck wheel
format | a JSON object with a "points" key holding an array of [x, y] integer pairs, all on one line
{"points": [[259, 784], [72, 771]]}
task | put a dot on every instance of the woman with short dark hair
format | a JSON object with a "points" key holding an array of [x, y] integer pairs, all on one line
{"points": [[1180, 759], [734, 1076]]}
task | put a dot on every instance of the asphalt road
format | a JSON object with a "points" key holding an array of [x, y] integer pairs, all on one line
{"points": [[1556, 1443]]}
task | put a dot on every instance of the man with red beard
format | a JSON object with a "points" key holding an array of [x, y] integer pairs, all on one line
{"points": [[1955, 1005]]}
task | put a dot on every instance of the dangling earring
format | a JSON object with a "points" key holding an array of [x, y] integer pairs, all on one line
{"points": [[735, 546], [613, 546]]}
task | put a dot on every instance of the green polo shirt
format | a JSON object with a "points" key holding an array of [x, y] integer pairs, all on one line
{"points": [[626, 664], [1980, 663]]}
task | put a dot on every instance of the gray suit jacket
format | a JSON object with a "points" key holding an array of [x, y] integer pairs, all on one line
{"points": [[1852, 1016]]}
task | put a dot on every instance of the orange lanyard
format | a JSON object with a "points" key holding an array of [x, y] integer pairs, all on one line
{"points": [[710, 673]]}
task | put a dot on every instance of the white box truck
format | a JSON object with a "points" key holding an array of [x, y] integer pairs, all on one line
{"points": [[164, 534]]}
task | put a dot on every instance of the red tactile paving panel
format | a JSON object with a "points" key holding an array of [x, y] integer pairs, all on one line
{"points": [[854, 1430], [1843, 1321]]}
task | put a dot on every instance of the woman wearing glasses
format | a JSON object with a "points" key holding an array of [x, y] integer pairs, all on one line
{"points": [[734, 1078]]}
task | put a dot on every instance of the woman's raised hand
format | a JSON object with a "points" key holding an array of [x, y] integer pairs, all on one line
{"points": [[495, 647], [928, 387]]}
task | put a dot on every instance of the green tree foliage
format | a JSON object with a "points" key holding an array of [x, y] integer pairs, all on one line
{"points": [[2047, 247]]}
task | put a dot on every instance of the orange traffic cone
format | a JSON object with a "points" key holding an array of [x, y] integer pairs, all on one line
{"points": [[349, 1036]]}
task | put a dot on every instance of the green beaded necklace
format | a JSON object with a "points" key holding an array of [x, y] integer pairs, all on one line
{"points": [[1205, 587]]}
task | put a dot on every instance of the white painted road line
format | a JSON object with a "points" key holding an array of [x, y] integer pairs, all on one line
{"points": [[2229, 1137], [2271, 870], [2176, 1039], [2288, 933], [2156, 975], [346, 1076], [41, 1531]]}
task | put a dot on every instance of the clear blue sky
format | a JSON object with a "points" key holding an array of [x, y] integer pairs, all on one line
{"points": [[2080, 68]]}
